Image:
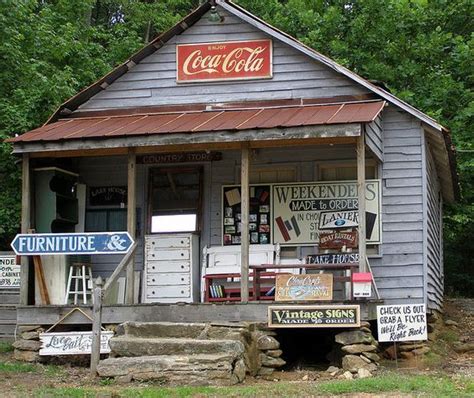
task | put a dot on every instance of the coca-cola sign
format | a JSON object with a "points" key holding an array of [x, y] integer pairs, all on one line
{"points": [[232, 60]]}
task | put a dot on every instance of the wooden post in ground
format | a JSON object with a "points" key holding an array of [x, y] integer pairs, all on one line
{"points": [[25, 226], [131, 222], [96, 325], [244, 234], [361, 200]]}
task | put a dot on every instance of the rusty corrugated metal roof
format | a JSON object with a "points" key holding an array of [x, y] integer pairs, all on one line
{"points": [[204, 121]]}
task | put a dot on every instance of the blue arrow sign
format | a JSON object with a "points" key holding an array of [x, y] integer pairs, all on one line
{"points": [[74, 243]]}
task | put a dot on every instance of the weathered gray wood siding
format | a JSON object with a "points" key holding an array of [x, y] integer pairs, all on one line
{"points": [[399, 272], [434, 242], [374, 137], [153, 81]]}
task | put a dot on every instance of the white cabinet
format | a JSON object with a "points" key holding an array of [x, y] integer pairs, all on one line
{"points": [[171, 268]]}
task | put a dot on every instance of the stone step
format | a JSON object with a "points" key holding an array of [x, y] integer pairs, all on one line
{"points": [[201, 369], [131, 346], [161, 329]]}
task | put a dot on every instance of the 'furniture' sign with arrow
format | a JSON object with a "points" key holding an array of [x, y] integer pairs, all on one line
{"points": [[73, 243]]}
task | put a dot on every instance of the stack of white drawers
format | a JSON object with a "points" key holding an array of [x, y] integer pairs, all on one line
{"points": [[171, 268]]}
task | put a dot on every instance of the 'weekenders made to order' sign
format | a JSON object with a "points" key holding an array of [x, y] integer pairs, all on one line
{"points": [[73, 243], [231, 60], [302, 211]]}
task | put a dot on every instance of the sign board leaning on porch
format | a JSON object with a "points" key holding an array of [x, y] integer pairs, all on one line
{"points": [[230, 60], [299, 209], [73, 243], [303, 287], [404, 322], [314, 316], [9, 272], [72, 343]]}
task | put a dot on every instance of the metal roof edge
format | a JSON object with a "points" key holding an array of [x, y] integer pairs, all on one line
{"points": [[248, 17]]}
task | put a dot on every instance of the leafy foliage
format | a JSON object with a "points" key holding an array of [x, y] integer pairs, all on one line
{"points": [[422, 50]]}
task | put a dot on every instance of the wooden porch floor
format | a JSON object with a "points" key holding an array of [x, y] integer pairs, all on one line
{"points": [[196, 312]]}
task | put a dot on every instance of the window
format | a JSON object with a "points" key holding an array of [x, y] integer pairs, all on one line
{"points": [[105, 220], [175, 200]]}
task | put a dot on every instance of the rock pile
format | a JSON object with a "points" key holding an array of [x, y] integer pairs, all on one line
{"points": [[358, 349], [27, 346], [270, 353]]}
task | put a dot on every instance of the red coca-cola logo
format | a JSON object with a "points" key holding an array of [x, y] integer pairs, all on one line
{"points": [[222, 61]]}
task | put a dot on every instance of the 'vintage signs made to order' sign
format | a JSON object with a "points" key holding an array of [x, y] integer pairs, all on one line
{"points": [[80, 243], [303, 287], [301, 211], [72, 343], [314, 316], [9, 272], [404, 322], [231, 60]]}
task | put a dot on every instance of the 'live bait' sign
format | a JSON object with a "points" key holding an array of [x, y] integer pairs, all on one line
{"points": [[404, 322], [301, 211], [72, 343], [314, 316]]}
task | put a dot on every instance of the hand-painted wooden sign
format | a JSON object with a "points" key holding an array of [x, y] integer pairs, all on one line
{"points": [[302, 210], [314, 316], [232, 60], [9, 272], [72, 343], [337, 240], [180, 157], [333, 258], [74, 243], [303, 287], [107, 196], [404, 322]]}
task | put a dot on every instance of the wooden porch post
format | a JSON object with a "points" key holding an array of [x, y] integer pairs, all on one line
{"points": [[131, 222], [244, 235], [361, 197], [25, 225]]}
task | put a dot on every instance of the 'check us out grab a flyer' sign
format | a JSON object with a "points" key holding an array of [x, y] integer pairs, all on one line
{"points": [[404, 322]]}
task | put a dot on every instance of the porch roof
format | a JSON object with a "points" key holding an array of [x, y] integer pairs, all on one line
{"points": [[203, 120]]}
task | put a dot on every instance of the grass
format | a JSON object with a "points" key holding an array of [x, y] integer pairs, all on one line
{"points": [[17, 367], [422, 385], [5, 347]]}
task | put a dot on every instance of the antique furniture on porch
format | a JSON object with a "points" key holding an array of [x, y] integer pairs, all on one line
{"points": [[171, 268]]}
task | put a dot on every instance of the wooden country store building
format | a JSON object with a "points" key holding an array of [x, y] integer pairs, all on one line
{"points": [[225, 146]]}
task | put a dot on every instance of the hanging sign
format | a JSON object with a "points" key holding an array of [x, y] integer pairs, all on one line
{"points": [[182, 157], [314, 316], [362, 284], [107, 196], [303, 287], [404, 322], [230, 60], [337, 240], [72, 343], [73, 243], [333, 258], [9, 272], [298, 210]]}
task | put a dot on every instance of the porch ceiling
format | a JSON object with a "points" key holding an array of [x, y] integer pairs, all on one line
{"points": [[203, 121]]}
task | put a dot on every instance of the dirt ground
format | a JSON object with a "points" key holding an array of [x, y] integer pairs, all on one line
{"points": [[443, 358]]}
